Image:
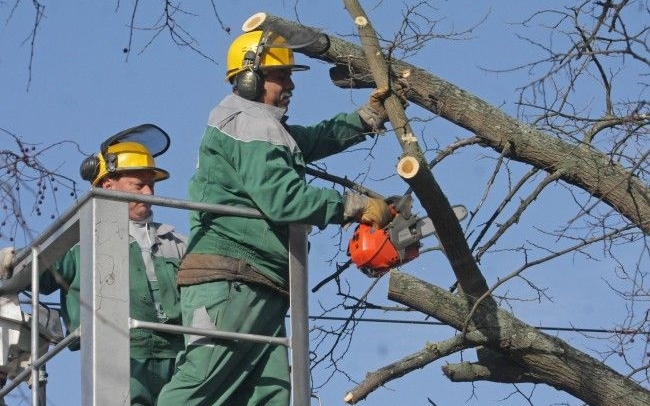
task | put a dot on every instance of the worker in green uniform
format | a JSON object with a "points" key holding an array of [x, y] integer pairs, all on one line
{"points": [[235, 275], [155, 251]]}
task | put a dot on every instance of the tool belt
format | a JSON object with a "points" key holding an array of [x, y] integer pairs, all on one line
{"points": [[201, 268]]}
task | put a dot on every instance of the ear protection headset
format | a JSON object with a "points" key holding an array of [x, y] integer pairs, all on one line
{"points": [[249, 83], [89, 168]]}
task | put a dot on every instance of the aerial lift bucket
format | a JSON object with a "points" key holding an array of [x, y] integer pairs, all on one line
{"points": [[15, 334]]}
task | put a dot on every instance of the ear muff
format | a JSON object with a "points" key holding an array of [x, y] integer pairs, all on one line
{"points": [[250, 83], [89, 168]]}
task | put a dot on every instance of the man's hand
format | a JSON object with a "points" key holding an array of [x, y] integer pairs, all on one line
{"points": [[373, 113], [366, 210], [6, 258]]}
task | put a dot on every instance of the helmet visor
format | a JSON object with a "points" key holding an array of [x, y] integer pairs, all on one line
{"points": [[151, 136], [292, 38]]}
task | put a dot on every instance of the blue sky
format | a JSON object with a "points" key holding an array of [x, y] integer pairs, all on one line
{"points": [[83, 89]]}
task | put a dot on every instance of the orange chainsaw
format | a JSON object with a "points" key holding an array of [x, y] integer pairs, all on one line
{"points": [[375, 251]]}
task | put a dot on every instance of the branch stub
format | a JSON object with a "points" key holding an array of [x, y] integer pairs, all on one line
{"points": [[254, 22], [361, 21], [408, 167]]}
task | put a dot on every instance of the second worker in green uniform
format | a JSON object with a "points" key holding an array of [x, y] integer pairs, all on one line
{"points": [[155, 251]]}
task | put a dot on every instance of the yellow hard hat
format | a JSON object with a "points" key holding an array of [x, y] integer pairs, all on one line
{"points": [[245, 53], [120, 157]]}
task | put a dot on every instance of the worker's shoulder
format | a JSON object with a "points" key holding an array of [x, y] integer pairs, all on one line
{"points": [[246, 121]]}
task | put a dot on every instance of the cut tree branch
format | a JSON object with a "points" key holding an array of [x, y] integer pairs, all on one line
{"points": [[420, 178], [418, 360]]}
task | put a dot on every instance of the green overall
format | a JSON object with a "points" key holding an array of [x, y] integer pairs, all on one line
{"points": [[249, 158]]}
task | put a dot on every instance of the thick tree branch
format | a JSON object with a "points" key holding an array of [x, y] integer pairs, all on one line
{"points": [[545, 358]]}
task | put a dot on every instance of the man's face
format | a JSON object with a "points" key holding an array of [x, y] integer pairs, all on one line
{"points": [[277, 87], [141, 182]]}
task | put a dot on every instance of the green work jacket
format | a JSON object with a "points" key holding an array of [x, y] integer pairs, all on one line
{"points": [[169, 248], [250, 158]]}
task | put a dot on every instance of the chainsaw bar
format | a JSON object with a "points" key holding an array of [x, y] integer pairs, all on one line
{"points": [[404, 232]]}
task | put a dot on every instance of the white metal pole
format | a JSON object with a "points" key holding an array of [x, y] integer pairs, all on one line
{"points": [[34, 332], [299, 309], [104, 296]]}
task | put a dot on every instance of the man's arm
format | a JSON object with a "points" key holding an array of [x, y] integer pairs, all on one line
{"points": [[329, 136]]}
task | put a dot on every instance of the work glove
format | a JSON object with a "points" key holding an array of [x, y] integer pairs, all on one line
{"points": [[6, 258], [366, 210], [373, 113]]}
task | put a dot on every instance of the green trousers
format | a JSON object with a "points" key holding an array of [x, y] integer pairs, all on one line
{"points": [[148, 376], [218, 372]]}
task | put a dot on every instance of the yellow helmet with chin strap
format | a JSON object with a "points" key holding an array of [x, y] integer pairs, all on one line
{"points": [[259, 50], [133, 149]]}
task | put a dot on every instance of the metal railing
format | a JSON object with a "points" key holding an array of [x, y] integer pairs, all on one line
{"points": [[99, 224]]}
